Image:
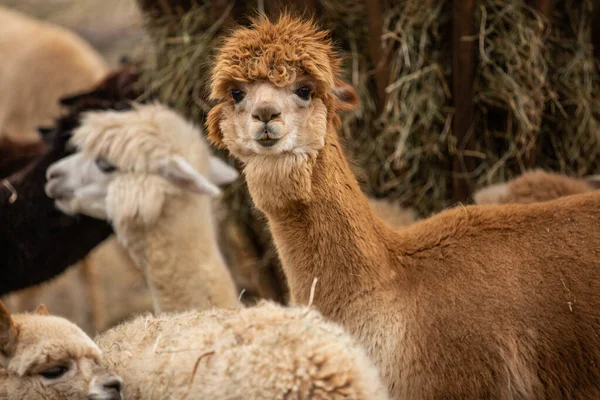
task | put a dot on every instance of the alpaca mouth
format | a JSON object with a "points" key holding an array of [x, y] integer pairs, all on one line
{"points": [[55, 190], [266, 138], [267, 142]]}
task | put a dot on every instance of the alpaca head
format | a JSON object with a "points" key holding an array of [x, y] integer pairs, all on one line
{"points": [[278, 89], [148, 152], [45, 357]]}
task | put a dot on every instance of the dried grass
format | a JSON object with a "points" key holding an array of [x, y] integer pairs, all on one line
{"points": [[177, 69], [405, 151], [511, 87], [570, 132]]}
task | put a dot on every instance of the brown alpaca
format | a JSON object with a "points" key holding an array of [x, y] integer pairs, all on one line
{"points": [[534, 186], [497, 302]]}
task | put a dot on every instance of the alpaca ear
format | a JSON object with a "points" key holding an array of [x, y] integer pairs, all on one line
{"points": [[346, 98], [42, 310], [8, 335], [221, 173], [181, 173], [213, 128]]}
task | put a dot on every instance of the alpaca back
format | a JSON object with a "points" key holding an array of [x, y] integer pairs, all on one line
{"points": [[261, 352], [497, 292]]}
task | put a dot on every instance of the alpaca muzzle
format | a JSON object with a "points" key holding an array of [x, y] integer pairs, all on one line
{"points": [[105, 387], [268, 136]]}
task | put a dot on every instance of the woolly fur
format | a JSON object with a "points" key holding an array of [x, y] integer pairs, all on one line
{"points": [[43, 341], [279, 52], [263, 352], [167, 230]]}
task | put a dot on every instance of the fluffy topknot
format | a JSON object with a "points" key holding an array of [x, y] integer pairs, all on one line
{"points": [[276, 51]]}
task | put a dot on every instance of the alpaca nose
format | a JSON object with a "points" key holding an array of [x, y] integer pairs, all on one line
{"points": [[52, 173], [106, 387], [265, 113]]}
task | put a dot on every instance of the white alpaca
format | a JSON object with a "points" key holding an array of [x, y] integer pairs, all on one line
{"points": [[143, 169], [263, 352]]}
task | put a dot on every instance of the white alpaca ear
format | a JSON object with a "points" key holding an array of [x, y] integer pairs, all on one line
{"points": [[181, 173], [221, 173]]}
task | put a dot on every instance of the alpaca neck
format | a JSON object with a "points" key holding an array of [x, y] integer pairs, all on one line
{"points": [[321, 223], [181, 260]]}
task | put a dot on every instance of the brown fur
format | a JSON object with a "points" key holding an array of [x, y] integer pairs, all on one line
{"points": [[14, 156], [280, 53], [534, 186], [485, 302]]}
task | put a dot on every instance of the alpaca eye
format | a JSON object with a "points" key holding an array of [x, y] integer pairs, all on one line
{"points": [[105, 166], [237, 95], [54, 372], [303, 92]]}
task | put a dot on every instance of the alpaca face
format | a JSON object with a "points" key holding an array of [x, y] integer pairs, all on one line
{"points": [[268, 120], [79, 184], [260, 118], [143, 145], [46, 358]]}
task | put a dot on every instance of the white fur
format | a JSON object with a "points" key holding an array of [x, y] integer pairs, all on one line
{"points": [[151, 199], [296, 115], [263, 352]]}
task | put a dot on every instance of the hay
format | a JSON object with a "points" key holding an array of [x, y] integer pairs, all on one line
{"points": [[177, 69], [570, 130], [537, 90], [510, 88], [404, 152]]}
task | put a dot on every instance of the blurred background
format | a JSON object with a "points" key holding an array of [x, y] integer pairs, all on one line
{"points": [[455, 94]]}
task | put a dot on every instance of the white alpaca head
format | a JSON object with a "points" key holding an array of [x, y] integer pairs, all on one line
{"points": [[149, 145], [45, 358]]}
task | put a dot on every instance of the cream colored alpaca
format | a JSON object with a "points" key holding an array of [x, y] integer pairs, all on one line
{"points": [[138, 169], [41, 63], [263, 352], [534, 186], [48, 358], [496, 302]]}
